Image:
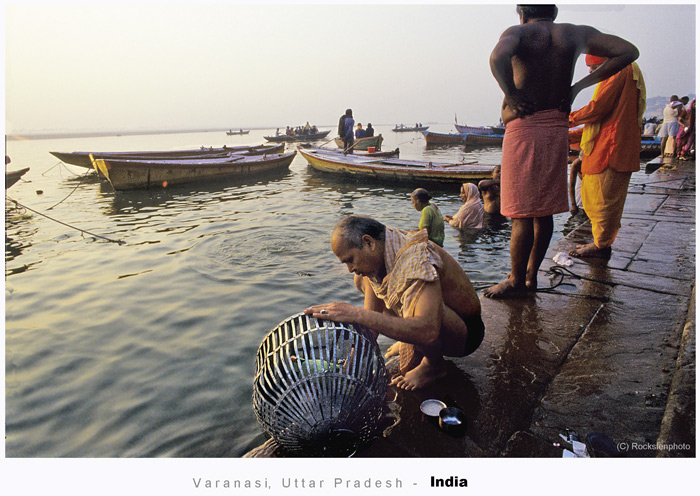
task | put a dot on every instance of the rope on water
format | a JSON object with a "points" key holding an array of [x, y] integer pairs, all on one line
{"points": [[409, 141], [118, 241], [73, 191]]}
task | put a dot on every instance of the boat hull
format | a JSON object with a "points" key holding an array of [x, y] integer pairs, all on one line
{"points": [[483, 139], [363, 143], [127, 175], [82, 159], [358, 153], [11, 177], [404, 171], [442, 138]]}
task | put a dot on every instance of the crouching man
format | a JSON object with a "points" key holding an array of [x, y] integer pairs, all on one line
{"points": [[415, 293]]}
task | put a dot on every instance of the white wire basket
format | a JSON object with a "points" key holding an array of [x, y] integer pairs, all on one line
{"points": [[319, 386]]}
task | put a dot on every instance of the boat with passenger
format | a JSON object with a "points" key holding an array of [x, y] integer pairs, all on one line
{"points": [[364, 143]]}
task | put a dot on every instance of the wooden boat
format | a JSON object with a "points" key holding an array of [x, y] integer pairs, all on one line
{"points": [[11, 177], [483, 139], [404, 129], [295, 138], [82, 159], [239, 132], [364, 143], [144, 174], [359, 153], [394, 169], [442, 138]]}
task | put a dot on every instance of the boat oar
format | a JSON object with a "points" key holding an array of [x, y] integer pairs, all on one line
{"points": [[332, 139]]}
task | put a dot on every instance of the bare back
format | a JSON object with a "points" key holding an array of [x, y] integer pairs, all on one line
{"points": [[457, 290], [534, 64], [543, 64]]}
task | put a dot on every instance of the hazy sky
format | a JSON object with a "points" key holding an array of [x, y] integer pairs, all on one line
{"points": [[219, 65]]}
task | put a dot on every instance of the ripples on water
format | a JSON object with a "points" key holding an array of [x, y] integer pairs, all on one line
{"points": [[147, 348]]}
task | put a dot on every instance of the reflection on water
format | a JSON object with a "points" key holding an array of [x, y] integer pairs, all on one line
{"points": [[147, 348]]}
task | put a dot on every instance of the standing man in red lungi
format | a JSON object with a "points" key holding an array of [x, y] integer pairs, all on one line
{"points": [[610, 146], [534, 65]]}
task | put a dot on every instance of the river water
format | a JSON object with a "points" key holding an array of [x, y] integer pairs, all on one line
{"points": [[147, 348]]}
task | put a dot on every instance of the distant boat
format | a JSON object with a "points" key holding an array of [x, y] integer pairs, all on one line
{"points": [[395, 169], [363, 143], [144, 174], [466, 139], [11, 177], [295, 138], [82, 159], [239, 132], [404, 129]]}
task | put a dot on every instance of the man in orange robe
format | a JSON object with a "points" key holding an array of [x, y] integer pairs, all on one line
{"points": [[610, 146]]}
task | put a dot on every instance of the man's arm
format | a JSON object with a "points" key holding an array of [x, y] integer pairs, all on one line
{"points": [[607, 97], [619, 53], [423, 327], [502, 69], [573, 177]]}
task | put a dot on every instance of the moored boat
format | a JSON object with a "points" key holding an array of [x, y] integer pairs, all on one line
{"points": [[483, 139], [11, 177], [432, 138], [650, 148], [82, 159], [394, 169], [143, 174], [364, 143], [295, 138], [359, 153]]}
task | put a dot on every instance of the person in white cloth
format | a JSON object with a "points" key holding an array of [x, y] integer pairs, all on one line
{"points": [[471, 214]]}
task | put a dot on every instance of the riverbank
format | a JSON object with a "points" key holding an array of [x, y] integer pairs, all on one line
{"points": [[610, 349]]}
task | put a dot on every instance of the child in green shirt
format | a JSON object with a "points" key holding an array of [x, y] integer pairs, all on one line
{"points": [[430, 216]]}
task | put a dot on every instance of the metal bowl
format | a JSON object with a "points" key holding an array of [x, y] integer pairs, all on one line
{"points": [[453, 421], [432, 408]]}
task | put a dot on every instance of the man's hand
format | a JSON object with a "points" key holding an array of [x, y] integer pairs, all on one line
{"points": [[337, 312]]}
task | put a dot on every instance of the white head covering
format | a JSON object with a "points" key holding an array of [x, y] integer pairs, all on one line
{"points": [[472, 212]]}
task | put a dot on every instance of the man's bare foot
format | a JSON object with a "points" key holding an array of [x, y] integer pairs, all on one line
{"points": [[531, 285], [393, 350], [505, 289], [591, 250], [423, 375]]}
